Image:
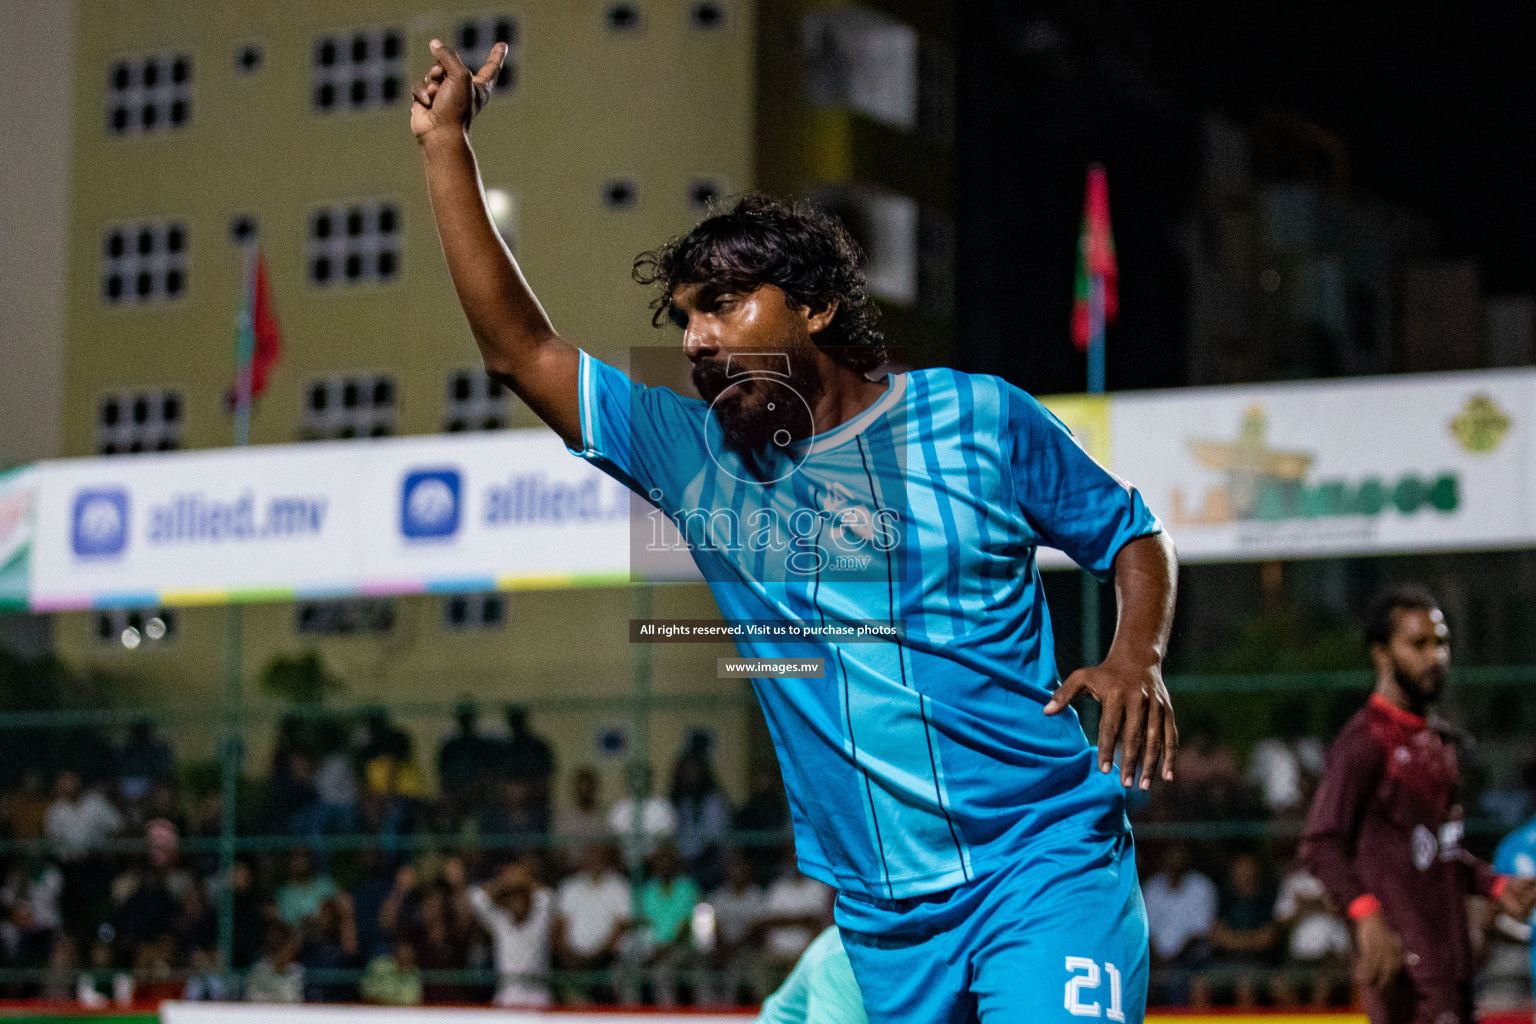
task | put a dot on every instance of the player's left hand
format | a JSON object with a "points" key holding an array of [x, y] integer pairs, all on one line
{"points": [[1518, 898], [1137, 717]]}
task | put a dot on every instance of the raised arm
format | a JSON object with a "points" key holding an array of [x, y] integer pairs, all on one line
{"points": [[517, 342]]}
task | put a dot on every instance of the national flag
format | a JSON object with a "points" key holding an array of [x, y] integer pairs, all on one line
{"points": [[1095, 258], [258, 337]]}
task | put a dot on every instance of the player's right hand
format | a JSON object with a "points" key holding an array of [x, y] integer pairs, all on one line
{"points": [[1381, 951], [450, 96]]}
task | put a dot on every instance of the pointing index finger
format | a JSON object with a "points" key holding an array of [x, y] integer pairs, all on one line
{"points": [[492, 67]]}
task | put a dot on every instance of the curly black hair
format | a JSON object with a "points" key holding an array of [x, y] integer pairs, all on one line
{"points": [[803, 251]]}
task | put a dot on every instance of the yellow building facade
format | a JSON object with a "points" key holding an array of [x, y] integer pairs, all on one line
{"points": [[198, 126]]}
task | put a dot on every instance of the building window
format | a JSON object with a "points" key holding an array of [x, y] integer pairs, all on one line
{"points": [[863, 60], [475, 39], [129, 422], [475, 402], [135, 627], [353, 243], [149, 94], [703, 193], [706, 15], [242, 229], [248, 58], [622, 17], [359, 70], [474, 611], [885, 224], [346, 617], [144, 262], [356, 405], [620, 194]]}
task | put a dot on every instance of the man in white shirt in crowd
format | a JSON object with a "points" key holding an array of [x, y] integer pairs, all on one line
{"points": [[592, 913], [797, 910], [658, 818], [1284, 767], [1181, 911], [739, 907], [1319, 938], [517, 912], [79, 820]]}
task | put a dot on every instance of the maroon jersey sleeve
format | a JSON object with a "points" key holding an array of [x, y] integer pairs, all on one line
{"points": [[1353, 772]]}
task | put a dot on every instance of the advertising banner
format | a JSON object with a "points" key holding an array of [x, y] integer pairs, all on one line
{"points": [[1388, 465], [258, 1013], [395, 516], [1426, 463], [18, 494]]}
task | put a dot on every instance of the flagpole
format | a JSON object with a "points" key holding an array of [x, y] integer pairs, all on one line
{"points": [[245, 346], [229, 692], [1096, 335]]}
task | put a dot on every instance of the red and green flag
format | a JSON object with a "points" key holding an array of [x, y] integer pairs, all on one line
{"points": [[1095, 259], [258, 338]]}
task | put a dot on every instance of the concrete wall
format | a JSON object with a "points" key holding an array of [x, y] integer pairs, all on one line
{"points": [[36, 61]]}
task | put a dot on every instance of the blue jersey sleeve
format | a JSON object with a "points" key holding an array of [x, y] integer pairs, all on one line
{"points": [[1516, 854], [1070, 500], [647, 438]]}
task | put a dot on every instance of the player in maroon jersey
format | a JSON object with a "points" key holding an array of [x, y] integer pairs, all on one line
{"points": [[1384, 833]]}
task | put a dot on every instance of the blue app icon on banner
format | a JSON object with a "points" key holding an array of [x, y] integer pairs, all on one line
{"points": [[100, 523], [429, 504]]}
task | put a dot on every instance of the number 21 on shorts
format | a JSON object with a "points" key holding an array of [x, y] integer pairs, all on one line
{"points": [[1082, 980]]}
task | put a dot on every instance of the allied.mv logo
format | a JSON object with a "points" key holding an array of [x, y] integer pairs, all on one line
{"points": [[429, 504], [100, 527]]}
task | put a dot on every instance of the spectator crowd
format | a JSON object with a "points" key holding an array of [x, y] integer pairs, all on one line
{"points": [[484, 892], [479, 893]]}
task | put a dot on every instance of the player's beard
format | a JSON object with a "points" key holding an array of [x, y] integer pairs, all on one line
{"points": [[749, 425], [1426, 686]]}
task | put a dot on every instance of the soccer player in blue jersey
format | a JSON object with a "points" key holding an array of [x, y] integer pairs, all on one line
{"points": [[820, 990], [1516, 857], [937, 775]]}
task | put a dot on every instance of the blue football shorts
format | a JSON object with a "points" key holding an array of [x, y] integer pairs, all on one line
{"points": [[1060, 935]]}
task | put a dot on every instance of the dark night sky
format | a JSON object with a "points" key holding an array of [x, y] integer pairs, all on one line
{"points": [[1433, 101]]}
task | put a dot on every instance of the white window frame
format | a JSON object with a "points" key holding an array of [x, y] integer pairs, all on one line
{"points": [[376, 72], [164, 269], [156, 433], [366, 417], [162, 97], [487, 400], [333, 245]]}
